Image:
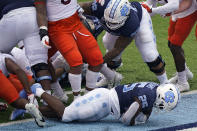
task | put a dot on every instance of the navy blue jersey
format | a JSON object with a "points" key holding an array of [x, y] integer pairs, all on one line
{"points": [[131, 25], [8, 5], [144, 91]]}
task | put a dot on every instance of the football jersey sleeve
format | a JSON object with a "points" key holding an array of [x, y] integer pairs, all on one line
{"points": [[98, 7]]}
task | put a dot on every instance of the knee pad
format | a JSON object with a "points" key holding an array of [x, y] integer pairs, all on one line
{"points": [[155, 63], [38, 67]]}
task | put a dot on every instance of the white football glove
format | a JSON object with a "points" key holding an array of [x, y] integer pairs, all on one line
{"points": [[44, 37], [32, 99]]}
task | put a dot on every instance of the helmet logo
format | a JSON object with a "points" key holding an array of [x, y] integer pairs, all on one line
{"points": [[124, 10], [169, 97]]}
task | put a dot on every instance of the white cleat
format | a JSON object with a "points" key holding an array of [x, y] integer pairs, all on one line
{"points": [[110, 83], [174, 79], [33, 110], [183, 86]]}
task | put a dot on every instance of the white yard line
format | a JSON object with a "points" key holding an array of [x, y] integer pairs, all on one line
{"points": [[16, 122], [69, 92]]}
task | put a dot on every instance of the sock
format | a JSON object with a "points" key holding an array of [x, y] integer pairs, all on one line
{"points": [[91, 79], [162, 78], [182, 77], [75, 81], [108, 73], [57, 89]]}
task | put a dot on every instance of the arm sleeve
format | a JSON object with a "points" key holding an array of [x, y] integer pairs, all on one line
{"points": [[169, 7], [151, 3]]}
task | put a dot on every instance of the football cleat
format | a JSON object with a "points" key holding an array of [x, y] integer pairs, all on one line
{"points": [[183, 86], [33, 110], [189, 76], [16, 113], [110, 83]]}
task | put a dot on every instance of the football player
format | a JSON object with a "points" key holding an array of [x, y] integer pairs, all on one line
{"points": [[9, 90], [125, 21], [76, 44], [183, 17], [132, 104], [58, 61], [18, 22]]}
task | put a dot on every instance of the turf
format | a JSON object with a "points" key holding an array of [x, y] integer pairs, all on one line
{"points": [[135, 70]]}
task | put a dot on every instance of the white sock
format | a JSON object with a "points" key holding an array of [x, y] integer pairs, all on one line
{"points": [[75, 81], [108, 73], [182, 77], [91, 79], [162, 78], [57, 89]]}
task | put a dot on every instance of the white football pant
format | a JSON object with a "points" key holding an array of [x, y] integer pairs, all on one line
{"points": [[21, 24], [93, 106]]}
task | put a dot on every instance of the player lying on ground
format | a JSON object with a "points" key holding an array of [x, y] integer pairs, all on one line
{"points": [[132, 104], [9, 91]]}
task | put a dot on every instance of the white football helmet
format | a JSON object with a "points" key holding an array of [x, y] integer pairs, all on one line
{"points": [[168, 96], [116, 13]]}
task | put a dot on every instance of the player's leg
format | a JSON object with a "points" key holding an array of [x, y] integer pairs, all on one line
{"points": [[28, 31], [109, 41], [146, 43], [90, 107], [11, 96], [66, 44], [175, 44], [91, 54]]}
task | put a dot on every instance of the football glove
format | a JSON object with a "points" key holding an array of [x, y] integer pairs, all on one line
{"points": [[44, 36], [32, 99]]}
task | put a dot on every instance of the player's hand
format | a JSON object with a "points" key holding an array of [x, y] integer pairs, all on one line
{"points": [[44, 36], [32, 99], [145, 5], [80, 12]]}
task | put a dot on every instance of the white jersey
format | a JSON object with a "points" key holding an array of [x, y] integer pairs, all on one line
{"points": [[169, 6], [2, 63], [60, 9]]}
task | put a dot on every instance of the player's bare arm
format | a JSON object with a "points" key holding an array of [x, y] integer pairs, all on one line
{"points": [[128, 118], [121, 43], [184, 5], [13, 68], [87, 7], [41, 12]]}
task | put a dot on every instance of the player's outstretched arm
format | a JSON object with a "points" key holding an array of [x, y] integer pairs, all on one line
{"points": [[130, 115], [86, 7], [121, 43], [13, 68]]}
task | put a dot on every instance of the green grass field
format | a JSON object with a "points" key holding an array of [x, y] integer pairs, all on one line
{"points": [[135, 70]]}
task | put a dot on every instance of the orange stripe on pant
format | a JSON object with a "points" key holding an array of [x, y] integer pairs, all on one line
{"points": [[7, 90], [74, 42], [180, 29]]}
